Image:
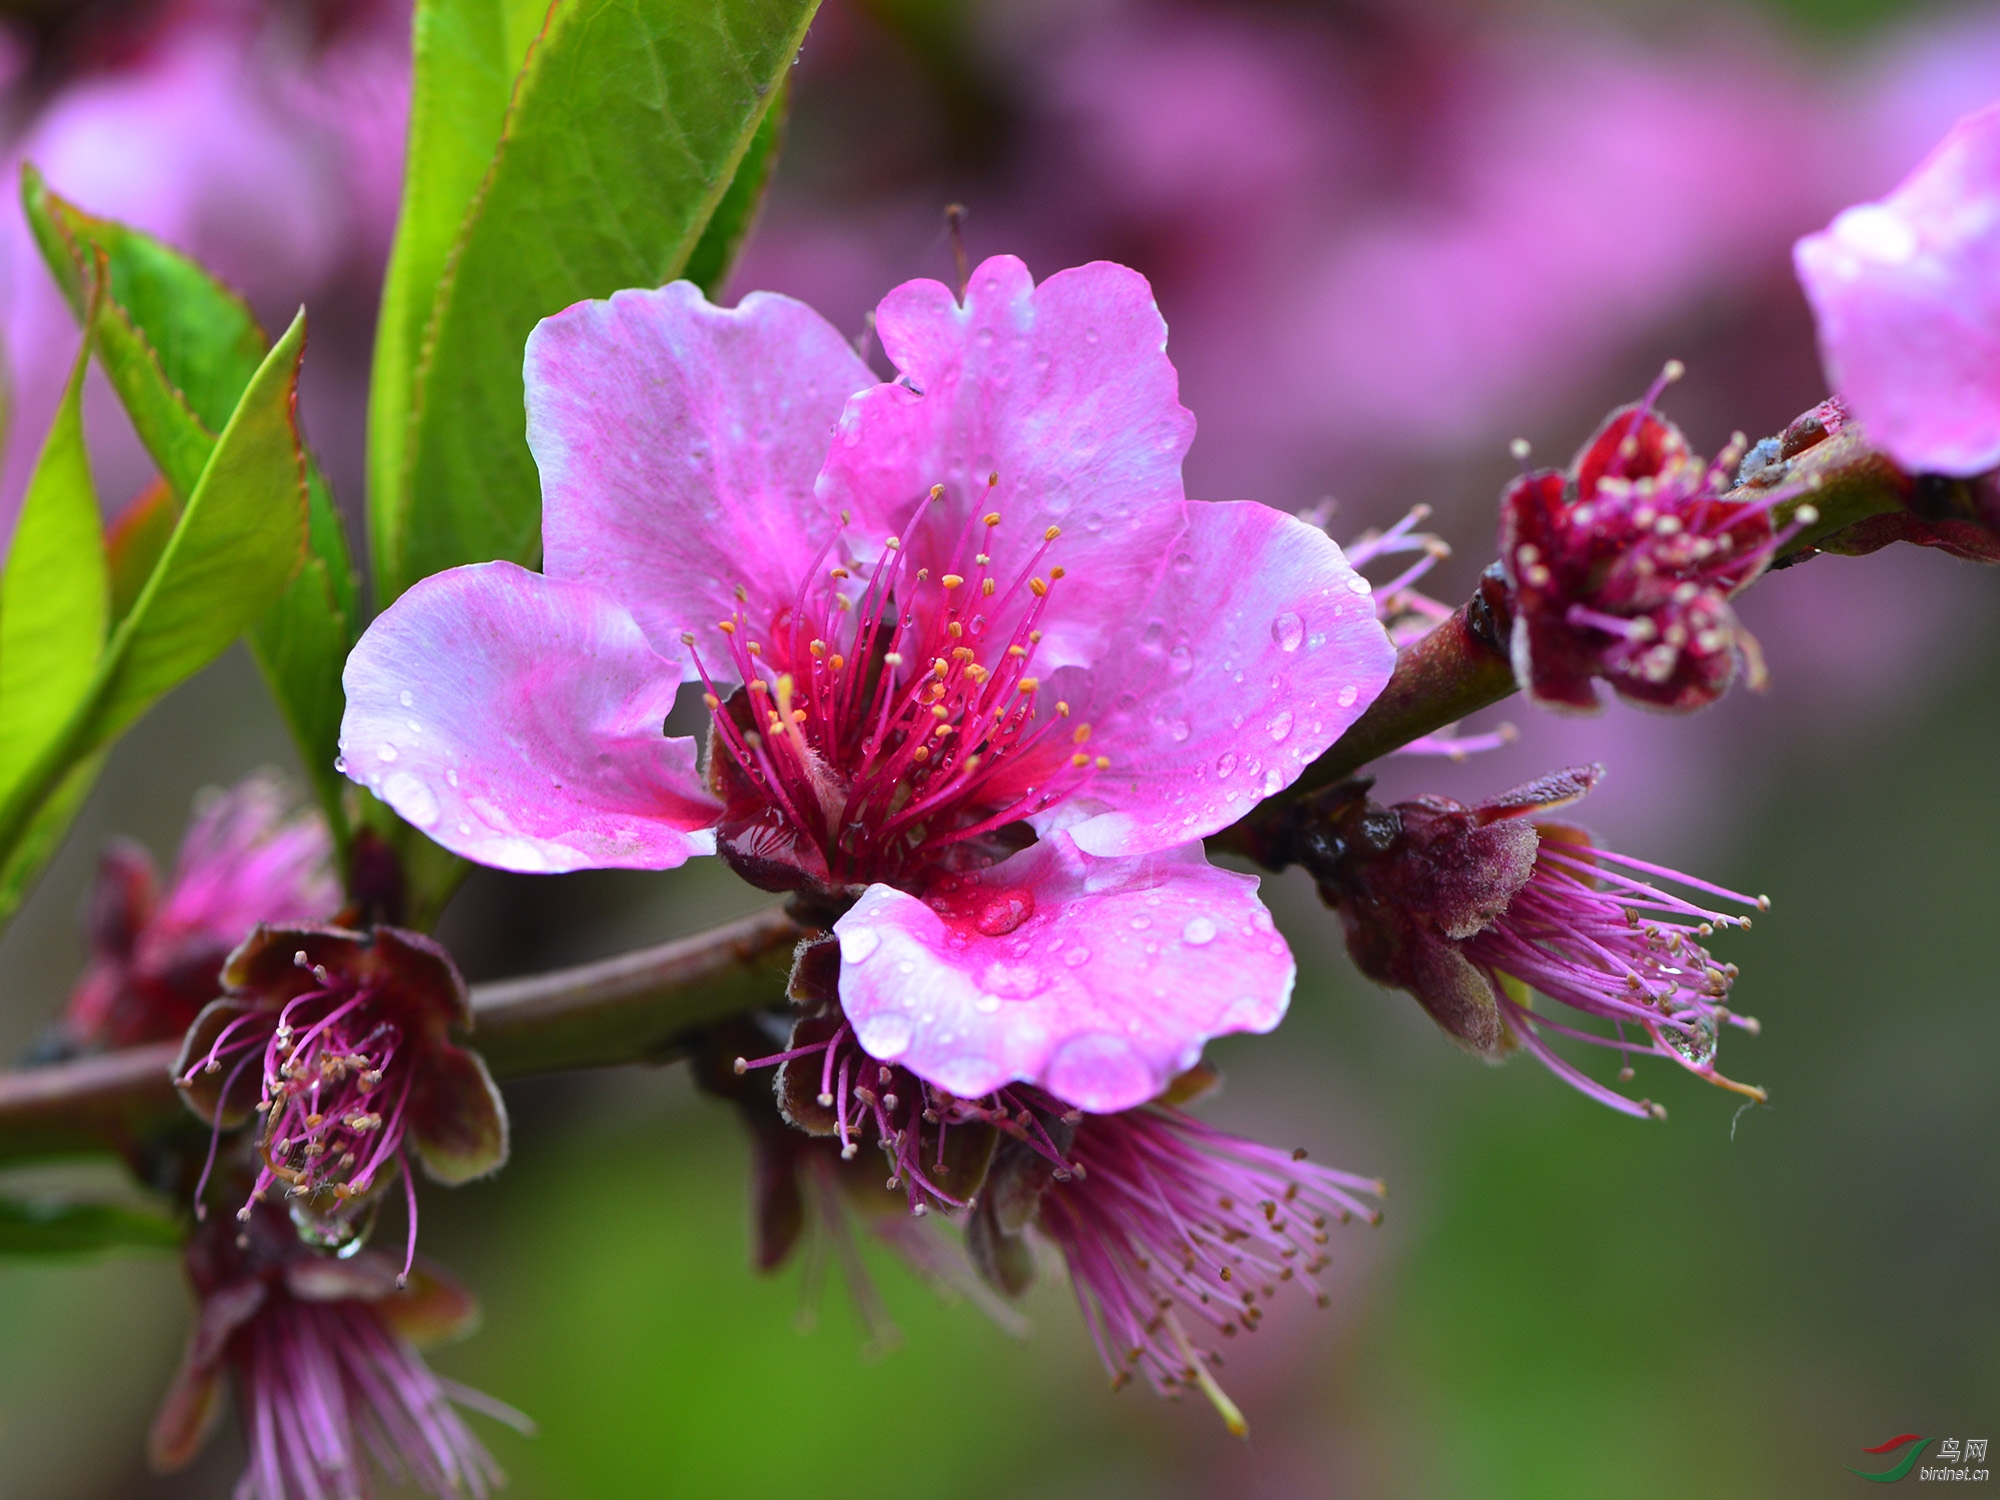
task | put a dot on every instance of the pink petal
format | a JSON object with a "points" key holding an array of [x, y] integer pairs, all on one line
{"points": [[1907, 295], [1257, 648], [1111, 976], [516, 720], [1066, 393], [678, 443]]}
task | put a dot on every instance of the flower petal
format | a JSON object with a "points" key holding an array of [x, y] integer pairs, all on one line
{"points": [[226, 1097], [1064, 391], [1097, 979], [457, 1121], [1907, 296], [678, 443], [516, 720], [1256, 649]]}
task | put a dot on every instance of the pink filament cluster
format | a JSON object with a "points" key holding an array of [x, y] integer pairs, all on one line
{"points": [[1168, 1218], [1587, 931], [323, 1385], [911, 1119], [336, 1089], [879, 721]]}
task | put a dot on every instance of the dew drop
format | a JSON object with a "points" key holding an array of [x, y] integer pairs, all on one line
{"points": [[1180, 731], [1199, 932], [986, 1004], [451, 775], [1090, 335], [1359, 584], [340, 764], [387, 752], [1140, 924], [1288, 630], [1226, 765], [1347, 696], [858, 944], [406, 699], [1077, 957], [886, 1037], [1274, 782], [1281, 725]]}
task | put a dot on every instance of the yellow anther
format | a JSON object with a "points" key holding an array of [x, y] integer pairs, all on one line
{"points": [[922, 574], [977, 673], [687, 637], [993, 517], [942, 730], [986, 587], [951, 580], [837, 662], [1034, 638], [1055, 573], [1082, 733], [971, 764], [727, 627], [921, 754], [939, 667], [892, 543], [1020, 651], [1062, 710], [992, 479], [838, 573], [1052, 533], [1040, 589], [712, 701], [799, 716], [742, 594], [893, 658], [954, 630], [961, 653], [1079, 759], [818, 648], [842, 602], [1029, 684], [1103, 762], [755, 649], [982, 559], [936, 491], [941, 712]]}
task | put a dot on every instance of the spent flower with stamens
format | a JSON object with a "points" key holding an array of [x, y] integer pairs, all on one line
{"points": [[1475, 909], [980, 675], [249, 856], [323, 1355], [339, 1045], [1622, 567], [1173, 1233]]}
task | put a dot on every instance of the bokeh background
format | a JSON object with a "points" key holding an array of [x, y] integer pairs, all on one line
{"points": [[1388, 236]]}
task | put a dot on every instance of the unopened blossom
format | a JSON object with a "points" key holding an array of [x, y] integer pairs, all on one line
{"points": [[330, 1388], [249, 856], [981, 676], [1622, 567], [339, 1044], [1471, 909], [1906, 293]]}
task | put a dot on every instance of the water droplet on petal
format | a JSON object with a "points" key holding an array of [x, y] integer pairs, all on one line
{"points": [[1180, 731], [1227, 764], [1140, 924], [1288, 630], [1077, 957], [1274, 782], [1347, 696], [886, 1036], [1199, 932], [858, 944], [407, 700], [1359, 584], [1282, 724], [387, 752], [986, 1004]]}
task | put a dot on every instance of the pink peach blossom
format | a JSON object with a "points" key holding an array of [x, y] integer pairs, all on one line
{"points": [[981, 675]]}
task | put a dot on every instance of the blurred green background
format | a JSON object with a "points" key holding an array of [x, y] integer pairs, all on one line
{"points": [[1562, 1302]]}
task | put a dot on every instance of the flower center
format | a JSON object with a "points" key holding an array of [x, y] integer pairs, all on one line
{"points": [[888, 723]]}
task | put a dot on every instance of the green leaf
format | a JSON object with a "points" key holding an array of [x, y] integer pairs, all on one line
{"points": [[57, 1228], [44, 834], [233, 554], [629, 121], [709, 263], [180, 349], [466, 54], [55, 592]]}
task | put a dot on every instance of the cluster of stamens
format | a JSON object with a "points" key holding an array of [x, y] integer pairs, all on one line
{"points": [[912, 1121], [1589, 931], [1180, 1219], [881, 705], [333, 1097]]}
